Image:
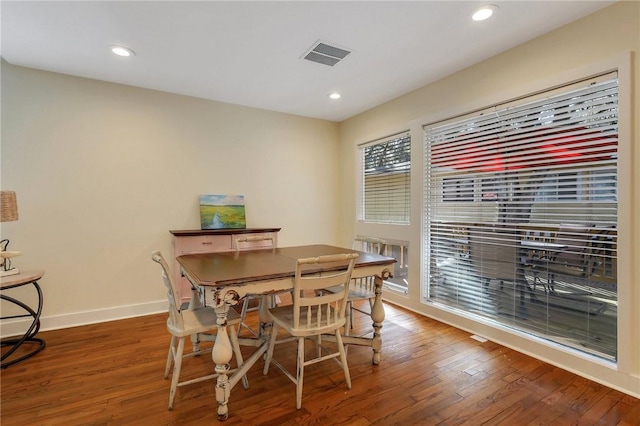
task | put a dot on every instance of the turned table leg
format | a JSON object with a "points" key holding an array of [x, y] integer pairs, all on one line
{"points": [[221, 355], [377, 316]]}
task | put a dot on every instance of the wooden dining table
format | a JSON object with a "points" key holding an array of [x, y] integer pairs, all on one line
{"points": [[225, 278]]}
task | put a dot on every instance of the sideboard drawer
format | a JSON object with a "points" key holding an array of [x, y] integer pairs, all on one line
{"points": [[210, 241], [256, 245], [203, 243]]}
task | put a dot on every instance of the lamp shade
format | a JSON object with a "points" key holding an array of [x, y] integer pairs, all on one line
{"points": [[8, 206]]}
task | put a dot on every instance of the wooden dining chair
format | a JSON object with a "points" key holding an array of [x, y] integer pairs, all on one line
{"points": [[312, 314], [535, 260], [183, 323], [575, 259], [363, 288], [251, 302], [493, 256]]}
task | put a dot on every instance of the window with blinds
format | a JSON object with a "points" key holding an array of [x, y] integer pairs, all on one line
{"points": [[521, 215], [385, 172]]}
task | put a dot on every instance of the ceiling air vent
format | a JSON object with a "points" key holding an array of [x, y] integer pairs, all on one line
{"points": [[324, 53]]}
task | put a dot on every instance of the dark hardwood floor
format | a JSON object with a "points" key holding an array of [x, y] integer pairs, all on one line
{"points": [[431, 373]]}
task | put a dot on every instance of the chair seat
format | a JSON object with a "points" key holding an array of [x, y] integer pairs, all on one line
{"points": [[565, 269], [360, 294], [356, 293], [283, 315], [200, 320], [535, 264]]}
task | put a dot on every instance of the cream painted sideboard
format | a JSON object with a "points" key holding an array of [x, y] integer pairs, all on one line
{"points": [[210, 241]]}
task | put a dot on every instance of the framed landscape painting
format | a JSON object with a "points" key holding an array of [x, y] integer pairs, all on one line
{"points": [[222, 211]]}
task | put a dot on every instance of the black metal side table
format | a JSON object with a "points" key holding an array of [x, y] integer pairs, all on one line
{"points": [[13, 281]]}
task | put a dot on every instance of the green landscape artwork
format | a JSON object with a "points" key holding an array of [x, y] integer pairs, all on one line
{"points": [[222, 211]]}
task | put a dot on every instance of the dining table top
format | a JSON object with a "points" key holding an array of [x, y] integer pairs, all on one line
{"points": [[542, 245], [240, 267]]}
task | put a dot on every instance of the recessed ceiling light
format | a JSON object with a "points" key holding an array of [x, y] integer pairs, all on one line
{"points": [[484, 12], [335, 95], [122, 51]]}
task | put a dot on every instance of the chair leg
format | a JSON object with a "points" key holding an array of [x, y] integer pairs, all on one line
{"points": [[169, 364], [300, 375], [195, 342], [486, 283], [195, 303], [551, 280], [243, 313], [343, 359], [177, 366], [319, 345], [233, 336], [348, 324], [272, 344], [536, 281]]}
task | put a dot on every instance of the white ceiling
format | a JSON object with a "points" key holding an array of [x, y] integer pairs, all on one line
{"points": [[249, 53]]}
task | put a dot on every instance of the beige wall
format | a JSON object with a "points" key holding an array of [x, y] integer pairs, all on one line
{"points": [[604, 40], [103, 172]]}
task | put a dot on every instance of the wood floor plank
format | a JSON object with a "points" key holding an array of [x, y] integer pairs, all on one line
{"points": [[431, 374]]}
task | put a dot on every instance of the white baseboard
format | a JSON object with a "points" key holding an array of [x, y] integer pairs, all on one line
{"points": [[18, 326]]}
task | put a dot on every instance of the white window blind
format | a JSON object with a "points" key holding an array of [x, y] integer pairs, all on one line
{"points": [[541, 169], [385, 189]]}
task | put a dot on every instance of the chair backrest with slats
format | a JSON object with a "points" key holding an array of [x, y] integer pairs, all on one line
{"points": [[175, 315], [575, 257], [604, 265], [368, 244], [535, 254], [254, 242], [493, 253], [314, 310]]}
